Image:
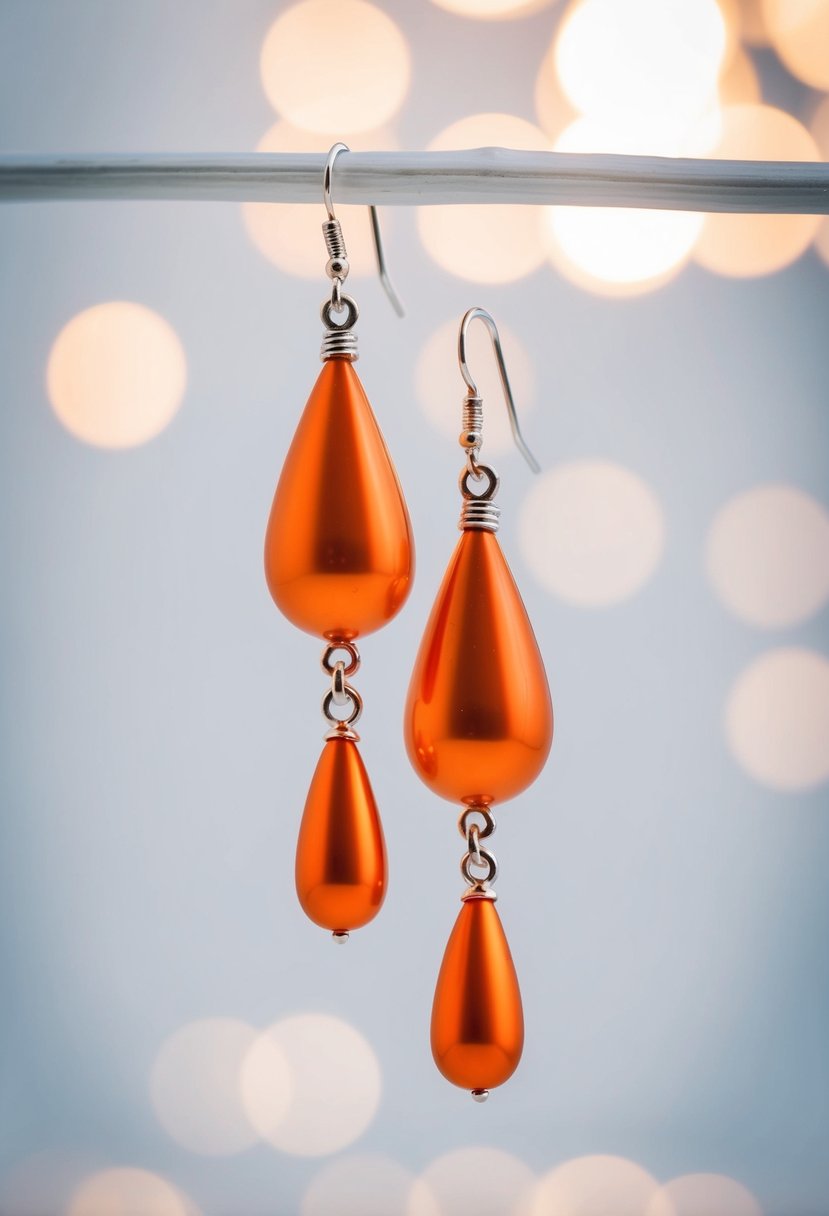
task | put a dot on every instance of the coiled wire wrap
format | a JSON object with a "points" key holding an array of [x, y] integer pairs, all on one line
{"points": [[332, 231], [473, 418], [339, 341], [478, 511]]}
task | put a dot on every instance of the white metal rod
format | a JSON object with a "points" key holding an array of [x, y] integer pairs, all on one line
{"points": [[486, 175]]}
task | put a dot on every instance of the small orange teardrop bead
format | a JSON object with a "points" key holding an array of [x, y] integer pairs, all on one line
{"points": [[338, 548], [479, 720], [341, 854], [477, 1019]]}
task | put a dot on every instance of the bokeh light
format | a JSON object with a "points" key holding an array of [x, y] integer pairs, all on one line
{"points": [[739, 84], [819, 128], [485, 244], [492, 10], [129, 1192], [290, 234], [777, 719], [747, 245], [617, 250], [194, 1086], [333, 1078], [624, 60], [440, 390], [768, 556], [116, 374], [592, 532], [335, 65], [799, 32], [267, 1085], [552, 108], [368, 1185], [730, 13], [486, 1181], [752, 23], [711, 1194], [595, 1186]]}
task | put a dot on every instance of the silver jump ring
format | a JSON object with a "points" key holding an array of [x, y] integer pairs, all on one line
{"points": [[493, 482], [337, 295], [487, 859], [484, 830], [352, 312], [338, 685], [357, 707], [473, 846], [331, 649]]}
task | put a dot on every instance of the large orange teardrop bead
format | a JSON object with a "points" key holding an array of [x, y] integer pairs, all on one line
{"points": [[338, 549], [477, 1019], [341, 854], [479, 720]]}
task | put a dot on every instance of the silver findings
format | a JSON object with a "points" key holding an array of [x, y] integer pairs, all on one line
{"points": [[338, 250], [473, 844], [480, 314], [341, 693], [465, 822], [339, 342], [337, 345], [352, 717], [489, 491], [477, 823], [472, 430], [479, 516], [338, 685], [344, 304], [327, 177], [478, 511], [479, 884], [328, 665], [337, 266]]}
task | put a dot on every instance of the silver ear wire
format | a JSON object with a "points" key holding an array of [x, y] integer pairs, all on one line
{"points": [[472, 434], [479, 512], [338, 267]]}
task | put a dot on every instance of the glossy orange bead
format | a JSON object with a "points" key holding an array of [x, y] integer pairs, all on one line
{"points": [[338, 549], [341, 854], [477, 1018], [479, 720]]}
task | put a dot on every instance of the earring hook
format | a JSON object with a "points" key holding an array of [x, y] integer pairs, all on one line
{"points": [[382, 269], [481, 314]]}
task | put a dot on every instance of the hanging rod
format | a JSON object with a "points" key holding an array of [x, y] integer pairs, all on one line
{"points": [[486, 175]]}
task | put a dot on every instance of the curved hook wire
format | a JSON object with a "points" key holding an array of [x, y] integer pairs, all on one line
{"points": [[482, 315], [382, 269]]}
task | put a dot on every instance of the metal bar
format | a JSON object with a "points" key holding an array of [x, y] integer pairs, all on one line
{"points": [[486, 175]]}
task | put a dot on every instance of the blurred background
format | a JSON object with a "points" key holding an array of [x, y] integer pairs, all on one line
{"points": [[176, 1037]]}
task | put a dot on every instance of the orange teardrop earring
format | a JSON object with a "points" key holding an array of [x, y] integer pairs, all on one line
{"points": [[339, 560], [478, 728]]}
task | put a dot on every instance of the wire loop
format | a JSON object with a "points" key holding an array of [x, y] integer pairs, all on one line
{"points": [[331, 649], [356, 707], [488, 860]]}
